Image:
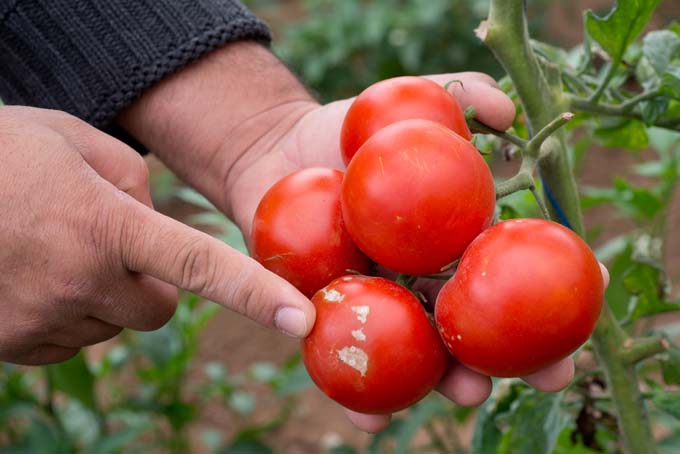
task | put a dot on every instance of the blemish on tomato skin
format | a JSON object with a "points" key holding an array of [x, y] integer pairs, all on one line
{"points": [[278, 256], [362, 312], [355, 358], [359, 335], [332, 295]]}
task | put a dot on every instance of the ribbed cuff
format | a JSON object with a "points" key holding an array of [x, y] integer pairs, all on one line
{"points": [[94, 58]]}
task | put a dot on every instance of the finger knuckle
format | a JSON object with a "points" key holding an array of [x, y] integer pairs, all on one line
{"points": [[249, 298], [198, 266]]}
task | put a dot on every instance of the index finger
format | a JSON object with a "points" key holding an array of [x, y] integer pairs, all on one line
{"points": [[159, 246]]}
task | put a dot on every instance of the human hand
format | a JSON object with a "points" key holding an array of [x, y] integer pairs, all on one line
{"points": [[83, 254], [262, 126]]}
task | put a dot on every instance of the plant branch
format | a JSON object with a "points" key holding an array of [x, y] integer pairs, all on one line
{"points": [[484, 129], [640, 349], [534, 146], [611, 71], [624, 109]]}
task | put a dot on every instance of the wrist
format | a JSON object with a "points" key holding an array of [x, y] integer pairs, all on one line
{"points": [[218, 114]]}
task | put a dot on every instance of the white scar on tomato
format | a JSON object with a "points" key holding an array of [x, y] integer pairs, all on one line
{"points": [[358, 334], [355, 358], [332, 296], [362, 312]]}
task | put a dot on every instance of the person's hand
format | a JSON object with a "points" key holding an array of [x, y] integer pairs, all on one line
{"points": [[257, 125], [83, 254]]}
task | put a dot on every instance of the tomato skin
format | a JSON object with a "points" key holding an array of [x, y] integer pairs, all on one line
{"points": [[415, 195], [398, 355], [526, 293], [298, 231], [396, 99]]}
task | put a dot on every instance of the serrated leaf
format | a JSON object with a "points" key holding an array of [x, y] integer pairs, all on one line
{"points": [[668, 401], [660, 47], [630, 134], [74, 378], [538, 414], [621, 26], [648, 285]]}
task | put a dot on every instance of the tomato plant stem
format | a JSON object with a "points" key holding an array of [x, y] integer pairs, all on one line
{"points": [[624, 109], [542, 97], [477, 125], [644, 348]]}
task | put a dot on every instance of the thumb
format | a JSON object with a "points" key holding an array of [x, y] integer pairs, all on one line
{"points": [[154, 244]]}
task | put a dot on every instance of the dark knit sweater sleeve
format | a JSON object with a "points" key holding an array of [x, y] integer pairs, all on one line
{"points": [[92, 58]]}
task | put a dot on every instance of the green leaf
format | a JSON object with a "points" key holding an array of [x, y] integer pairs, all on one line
{"points": [[116, 441], [487, 435], [381, 437], [621, 26], [648, 284], [630, 134], [74, 379], [668, 401], [538, 414], [662, 50], [660, 47], [293, 377], [670, 366], [616, 295], [419, 415]]}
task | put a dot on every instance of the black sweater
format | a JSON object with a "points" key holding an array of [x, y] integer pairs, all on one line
{"points": [[92, 58]]}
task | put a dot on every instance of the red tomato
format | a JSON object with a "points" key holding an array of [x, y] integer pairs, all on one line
{"points": [[415, 195], [392, 100], [298, 231], [526, 294], [373, 348]]}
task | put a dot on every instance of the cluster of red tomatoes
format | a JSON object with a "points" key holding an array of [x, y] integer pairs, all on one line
{"points": [[417, 196]]}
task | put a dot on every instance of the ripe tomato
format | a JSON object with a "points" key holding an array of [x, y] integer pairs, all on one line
{"points": [[298, 231], [392, 100], [373, 348], [526, 294], [415, 195]]}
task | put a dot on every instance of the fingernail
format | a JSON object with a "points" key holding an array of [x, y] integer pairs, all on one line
{"points": [[291, 321]]}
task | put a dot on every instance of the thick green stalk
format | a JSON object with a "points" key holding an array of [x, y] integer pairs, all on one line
{"points": [[505, 32]]}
